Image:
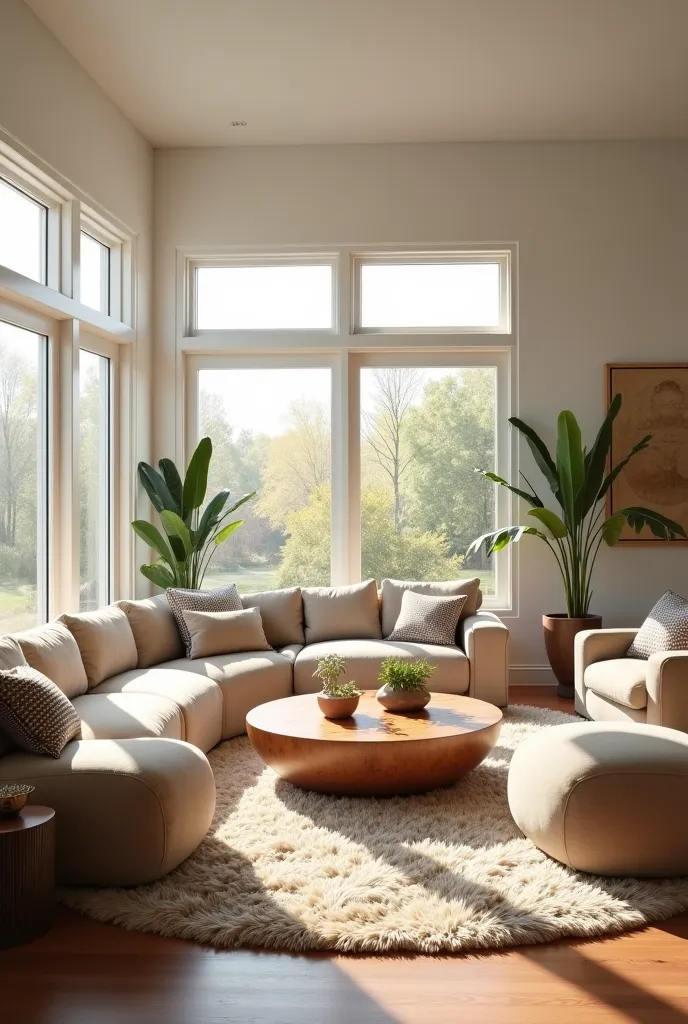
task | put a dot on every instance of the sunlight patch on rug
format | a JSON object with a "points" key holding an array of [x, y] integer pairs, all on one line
{"points": [[286, 869]]}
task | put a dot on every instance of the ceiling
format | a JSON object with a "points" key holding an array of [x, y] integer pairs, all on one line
{"points": [[335, 71]]}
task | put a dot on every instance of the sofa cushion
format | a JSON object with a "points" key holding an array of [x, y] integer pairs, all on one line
{"points": [[222, 599], [246, 680], [52, 650], [619, 679], [393, 591], [602, 709], [290, 651], [363, 658], [225, 632], [425, 618], [198, 698], [664, 629], [155, 630], [341, 613], [105, 640], [282, 614], [34, 713], [127, 716], [11, 655]]}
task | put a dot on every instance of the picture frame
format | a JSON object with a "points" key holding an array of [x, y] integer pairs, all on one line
{"points": [[654, 401]]}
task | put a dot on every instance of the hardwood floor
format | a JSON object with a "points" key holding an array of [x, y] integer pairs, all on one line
{"points": [[86, 973]]}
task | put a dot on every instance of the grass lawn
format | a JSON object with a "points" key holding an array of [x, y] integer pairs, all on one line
{"points": [[252, 578], [15, 608]]}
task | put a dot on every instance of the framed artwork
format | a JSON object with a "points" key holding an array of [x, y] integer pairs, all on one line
{"points": [[654, 401]]}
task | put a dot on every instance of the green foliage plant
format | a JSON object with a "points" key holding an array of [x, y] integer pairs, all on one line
{"points": [[328, 669], [579, 480], [400, 674], [190, 534]]}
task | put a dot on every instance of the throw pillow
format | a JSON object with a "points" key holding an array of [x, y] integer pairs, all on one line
{"points": [[393, 592], [225, 632], [155, 630], [428, 620], [223, 599], [52, 650], [105, 641], [665, 628], [35, 713], [341, 613]]}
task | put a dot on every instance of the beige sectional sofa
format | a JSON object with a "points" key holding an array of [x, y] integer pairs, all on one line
{"points": [[135, 794]]}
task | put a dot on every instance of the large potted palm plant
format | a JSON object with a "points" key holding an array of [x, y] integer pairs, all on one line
{"points": [[190, 534], [579, 480]]}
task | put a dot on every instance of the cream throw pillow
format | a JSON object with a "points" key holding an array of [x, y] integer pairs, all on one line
{"points": [[222, 599], [225, 632], [155, 630], [52, 650], [106, 642], [341, 613]]}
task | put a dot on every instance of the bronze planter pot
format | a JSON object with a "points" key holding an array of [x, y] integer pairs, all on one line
{"points": [[402, 700], [337, 707], [559, 636]]}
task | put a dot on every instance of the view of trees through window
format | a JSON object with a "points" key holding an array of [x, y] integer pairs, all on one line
{"points": [[423, 432], [22, 476], [94, 480]]}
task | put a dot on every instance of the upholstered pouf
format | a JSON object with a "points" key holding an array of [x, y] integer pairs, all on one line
{"points": [[605, 797]]}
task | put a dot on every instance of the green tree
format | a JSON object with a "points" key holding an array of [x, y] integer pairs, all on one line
{"points": [[297, 463], [450, 433], [17, 450], [410, 555]]}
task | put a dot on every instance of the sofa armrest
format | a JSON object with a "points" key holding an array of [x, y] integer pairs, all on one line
{"points": [[667, 689], [593, 645], [485, 641]]}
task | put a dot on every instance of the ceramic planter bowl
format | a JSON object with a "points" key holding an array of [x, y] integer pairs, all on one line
{"points": [[560, 632], [337, 707], [402, 700], [12, 798]]}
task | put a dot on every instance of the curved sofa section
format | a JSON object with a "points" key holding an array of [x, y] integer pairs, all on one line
{"points": [[135, 794]]}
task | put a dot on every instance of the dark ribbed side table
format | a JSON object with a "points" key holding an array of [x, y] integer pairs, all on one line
{"points": [[27, 875]]}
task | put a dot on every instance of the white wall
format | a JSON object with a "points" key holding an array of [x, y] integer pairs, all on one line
{"points": [[601, 231], [49, 103]]}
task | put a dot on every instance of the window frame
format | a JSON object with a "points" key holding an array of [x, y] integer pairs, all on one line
{"points": [[466, 257], [54, 310], [345, 349]]}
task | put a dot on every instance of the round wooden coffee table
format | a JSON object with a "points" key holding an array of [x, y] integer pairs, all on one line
{"points": [[375, 752]]}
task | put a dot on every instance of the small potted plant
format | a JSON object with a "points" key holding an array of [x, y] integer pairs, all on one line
{"points": [[403, 684], [337, 700]]}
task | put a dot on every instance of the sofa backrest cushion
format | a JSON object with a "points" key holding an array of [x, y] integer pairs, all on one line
{"points": [[341, 613], [282, 615], [11, 655], [105, 641], [155, 630], [225, 632], [393, 591], [52, 650]]}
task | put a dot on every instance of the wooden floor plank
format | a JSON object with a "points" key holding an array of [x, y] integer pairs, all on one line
{"points": [[88, 973]]}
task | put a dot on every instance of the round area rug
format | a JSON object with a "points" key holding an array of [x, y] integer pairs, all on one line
{"points": [[447, 871]]}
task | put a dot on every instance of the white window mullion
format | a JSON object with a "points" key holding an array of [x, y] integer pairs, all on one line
{"points": [[66, 479]]}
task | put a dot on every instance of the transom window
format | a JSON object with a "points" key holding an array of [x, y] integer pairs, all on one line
{"points": [[23, 232], [95, 273], [277, 297]]}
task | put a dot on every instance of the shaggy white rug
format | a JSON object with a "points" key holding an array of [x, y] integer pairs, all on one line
{"points": [[286, 869]]}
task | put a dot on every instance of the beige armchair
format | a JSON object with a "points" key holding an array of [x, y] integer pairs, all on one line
{"points": [[611, 687]]}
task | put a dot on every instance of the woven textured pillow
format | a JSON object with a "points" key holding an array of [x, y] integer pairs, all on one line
{"points": [[665, 628], [223, 599], [428, 620], [35, 713]]}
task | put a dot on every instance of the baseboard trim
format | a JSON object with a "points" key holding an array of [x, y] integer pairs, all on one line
{"points": [[531, 675]]}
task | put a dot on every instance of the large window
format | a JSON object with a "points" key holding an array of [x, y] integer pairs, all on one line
{"points": [[424, 430], [95, 499], [23, 478], [270, 429], [23, 235], [415, 348]]}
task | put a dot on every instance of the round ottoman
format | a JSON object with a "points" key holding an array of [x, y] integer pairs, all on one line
{"points": [[605, 797]]}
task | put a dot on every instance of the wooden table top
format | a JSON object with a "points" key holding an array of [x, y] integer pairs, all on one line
{"points": [[30, 816], [446, 715]]}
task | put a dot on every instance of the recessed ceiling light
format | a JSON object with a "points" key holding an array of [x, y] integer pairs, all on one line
{"points": [[238, 124]]}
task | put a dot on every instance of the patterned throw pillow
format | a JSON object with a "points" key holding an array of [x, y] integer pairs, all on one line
{"points": [[224, 599], [665, 628], [35, 713], [428, 620]]}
